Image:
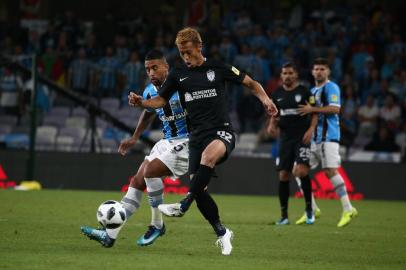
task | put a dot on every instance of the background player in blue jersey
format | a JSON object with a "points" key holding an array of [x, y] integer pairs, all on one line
{"points": [[325, 147], [168, 157]]}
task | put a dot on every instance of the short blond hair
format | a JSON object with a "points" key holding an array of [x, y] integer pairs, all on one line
{"points": [[188, 34]]}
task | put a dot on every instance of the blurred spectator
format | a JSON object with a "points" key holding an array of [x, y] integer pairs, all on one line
{"points": [[133, 75], [383, 141], [10, 92], [52, 65], [367, 117], [49, 38], [122, 52], [92, 48], [227, 49], [107, 74], [348, 119], [390, 113], [196, 13], [400, 139], [43, 100], [79, 75]]}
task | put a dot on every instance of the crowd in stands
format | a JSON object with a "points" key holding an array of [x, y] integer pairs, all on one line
{"points": [[365, 48]]}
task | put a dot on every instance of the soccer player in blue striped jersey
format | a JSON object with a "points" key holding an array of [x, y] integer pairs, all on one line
{"points": [[325, 146], [168, 157]]}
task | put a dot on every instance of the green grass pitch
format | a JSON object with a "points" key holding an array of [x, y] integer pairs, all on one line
{"points": [[40, 230]]}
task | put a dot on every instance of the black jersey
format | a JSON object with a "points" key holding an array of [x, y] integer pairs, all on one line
{"points": [[202, 91], [291, 123]]}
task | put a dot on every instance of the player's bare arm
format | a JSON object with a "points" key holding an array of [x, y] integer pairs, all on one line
{"points": [[258, 91], [307, 137], [272, 127], [153, 103], [144, 121], [307, 109]]}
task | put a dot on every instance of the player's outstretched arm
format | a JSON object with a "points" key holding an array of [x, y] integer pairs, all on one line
{"points": [[258, 91], [153, 103], [144, 121]]}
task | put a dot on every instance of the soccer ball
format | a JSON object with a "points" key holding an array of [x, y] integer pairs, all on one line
{"points": [[111, 214]]}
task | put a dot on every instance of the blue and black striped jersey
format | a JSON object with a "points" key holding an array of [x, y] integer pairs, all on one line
{"points": [[172, 116]]}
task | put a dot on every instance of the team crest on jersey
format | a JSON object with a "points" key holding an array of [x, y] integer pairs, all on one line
{"points": [[298, 98], [211, 75], [188, 97]]}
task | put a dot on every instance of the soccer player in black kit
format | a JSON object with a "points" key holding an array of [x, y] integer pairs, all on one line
{"points": [[201, 86], [295, 135]]}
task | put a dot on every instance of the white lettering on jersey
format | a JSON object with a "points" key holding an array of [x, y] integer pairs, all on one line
{"points": [[208, 93], [284, 112]]}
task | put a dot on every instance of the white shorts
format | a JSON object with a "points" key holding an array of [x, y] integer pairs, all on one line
{"points": [[327, 153], [174, 153]]}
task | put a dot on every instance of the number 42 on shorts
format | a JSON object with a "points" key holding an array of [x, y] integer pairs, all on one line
{"points": [[225, 135]]}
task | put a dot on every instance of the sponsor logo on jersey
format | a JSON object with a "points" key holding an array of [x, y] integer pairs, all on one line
{"points": [[175, 117], [188, 97], [211, 75], [182, 79], [298, 98], [312, 100], [285, 112], [208, 93], [334, 98], [235, 70]]}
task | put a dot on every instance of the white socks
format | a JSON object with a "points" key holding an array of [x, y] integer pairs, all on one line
{"points": [[131, 202], [155, 189], [340, 189]]}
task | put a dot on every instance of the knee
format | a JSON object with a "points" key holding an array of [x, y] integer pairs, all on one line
{"points": [[208, 159], [149, 171], [300, 171], [330, 172], [284, 176], [138, 182]]}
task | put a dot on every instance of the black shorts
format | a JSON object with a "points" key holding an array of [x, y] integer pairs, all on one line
{"points": [[199, 142], [291, 151]]}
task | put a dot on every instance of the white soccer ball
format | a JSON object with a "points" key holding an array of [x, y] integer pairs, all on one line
{"points": [[111, 214]]}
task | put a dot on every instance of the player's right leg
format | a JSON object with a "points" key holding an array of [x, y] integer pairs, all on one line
{"points": [[131, 202], [283, 193], [330, 162], [284, 165], [154, 172]]}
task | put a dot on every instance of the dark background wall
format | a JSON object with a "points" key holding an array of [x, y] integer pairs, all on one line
{"points": [[236, 176]]}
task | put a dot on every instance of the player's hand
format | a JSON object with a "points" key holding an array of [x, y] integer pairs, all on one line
{"points": [[134, 99], [126, 144], [305, 109], [270, 107], [307, 137]]}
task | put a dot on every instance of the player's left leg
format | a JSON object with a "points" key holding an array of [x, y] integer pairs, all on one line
{"points": [[131, 202], [315, 207]]}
